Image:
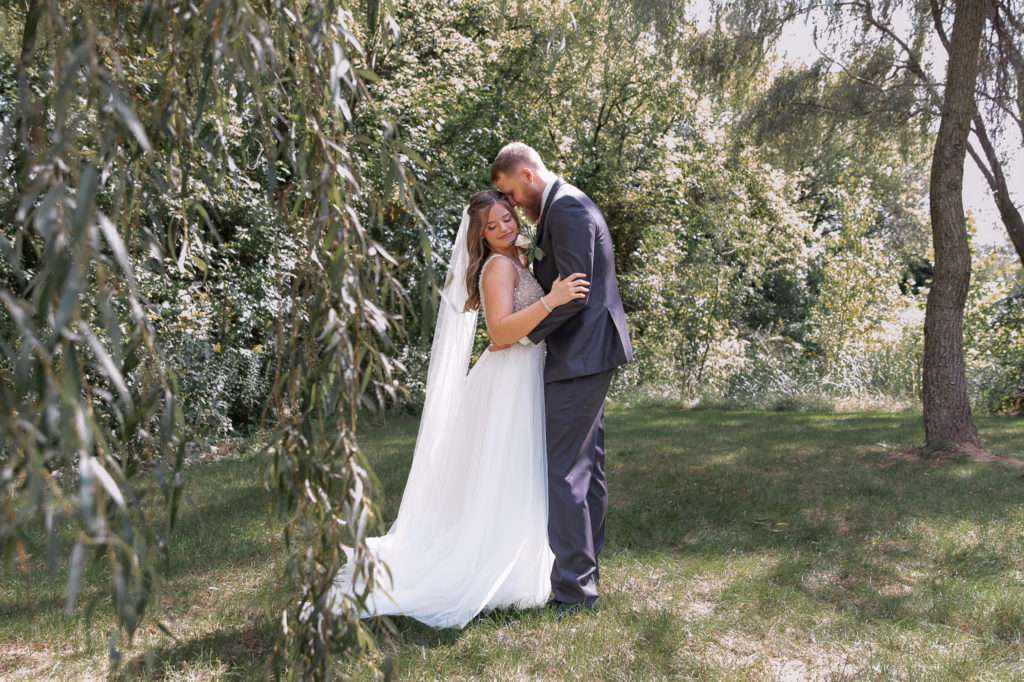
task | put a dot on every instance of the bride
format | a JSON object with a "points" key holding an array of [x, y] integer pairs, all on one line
{"points": [[471, 531]]}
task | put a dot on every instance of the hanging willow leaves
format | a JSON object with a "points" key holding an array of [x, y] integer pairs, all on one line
{"points": [[115, 128]]}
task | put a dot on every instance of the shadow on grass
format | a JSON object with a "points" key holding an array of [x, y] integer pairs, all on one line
{"points": [[229, 653], [412, 632], [31, 599], [222, 530], [224, 538], [228, 527], [711, 483], [836, 519], [682, 480]]}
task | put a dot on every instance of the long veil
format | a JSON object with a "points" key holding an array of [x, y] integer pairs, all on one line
{"points": [[446, 379]]}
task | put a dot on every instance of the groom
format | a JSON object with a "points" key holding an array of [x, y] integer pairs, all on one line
{"points": [[586, 341]]}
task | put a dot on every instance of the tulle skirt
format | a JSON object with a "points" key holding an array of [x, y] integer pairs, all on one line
{"points": [[471, 532]]}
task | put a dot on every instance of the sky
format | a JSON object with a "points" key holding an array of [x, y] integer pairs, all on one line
{"points": [[796, 45]]}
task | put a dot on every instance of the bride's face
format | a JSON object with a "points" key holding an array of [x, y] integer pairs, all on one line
{"points": [[500, 228]]}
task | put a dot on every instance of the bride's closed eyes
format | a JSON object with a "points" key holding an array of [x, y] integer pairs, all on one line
{"points": [[506, 219]]}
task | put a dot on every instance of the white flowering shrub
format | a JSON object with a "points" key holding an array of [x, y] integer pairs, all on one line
{"points": [[994, 333]]}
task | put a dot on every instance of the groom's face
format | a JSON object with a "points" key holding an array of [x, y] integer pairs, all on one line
{"points": [[520, 188]]}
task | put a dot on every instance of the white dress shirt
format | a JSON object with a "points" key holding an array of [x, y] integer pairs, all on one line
{"points": [[544, 196]]}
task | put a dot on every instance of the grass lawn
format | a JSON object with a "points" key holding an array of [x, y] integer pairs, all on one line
{"points": [[741, 545]]}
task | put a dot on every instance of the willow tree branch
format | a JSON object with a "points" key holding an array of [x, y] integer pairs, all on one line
{"points": [[996, 179]]}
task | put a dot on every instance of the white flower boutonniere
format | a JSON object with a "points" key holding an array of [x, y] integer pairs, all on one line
{"points": [[529, 247]]}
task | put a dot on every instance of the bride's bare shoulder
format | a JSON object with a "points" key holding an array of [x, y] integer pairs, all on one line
{"points": [[499, 271], [498, 265]]}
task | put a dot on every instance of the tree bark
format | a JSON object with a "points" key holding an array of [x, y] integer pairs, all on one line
{"points": [[947, 412]]}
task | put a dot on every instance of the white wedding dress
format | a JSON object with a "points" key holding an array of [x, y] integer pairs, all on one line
{"points": [[471, 532]]}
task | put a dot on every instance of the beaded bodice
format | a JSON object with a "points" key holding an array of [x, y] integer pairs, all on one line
{"points": [[527, 292]]}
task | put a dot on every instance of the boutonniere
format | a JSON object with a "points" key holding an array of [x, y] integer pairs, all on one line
{"points": [[529, 247]]}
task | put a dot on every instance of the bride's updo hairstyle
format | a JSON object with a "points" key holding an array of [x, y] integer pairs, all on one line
{"points": [[479, 207]]}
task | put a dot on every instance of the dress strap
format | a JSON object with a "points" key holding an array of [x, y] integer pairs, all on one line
{"points": [[499, 255]]}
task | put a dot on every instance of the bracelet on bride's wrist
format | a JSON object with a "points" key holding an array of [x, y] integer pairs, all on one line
{"points": [[545, 304]]}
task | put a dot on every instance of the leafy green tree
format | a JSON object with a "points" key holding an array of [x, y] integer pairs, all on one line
{"points": [[878, 58], [884, 80], [805, 194], [998, 103], [652, 118]]}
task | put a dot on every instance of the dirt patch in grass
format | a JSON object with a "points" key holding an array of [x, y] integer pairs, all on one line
{"points": [[924, 454], [34, 660]]}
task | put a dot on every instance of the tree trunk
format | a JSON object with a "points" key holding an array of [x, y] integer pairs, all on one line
{"points": [[947, 413]]}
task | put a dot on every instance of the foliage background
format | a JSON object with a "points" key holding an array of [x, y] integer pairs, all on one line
{"points": [[772, 251]]}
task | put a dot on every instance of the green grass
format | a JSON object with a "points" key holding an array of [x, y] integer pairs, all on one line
{"points": [[223, 569], [741, 545]]}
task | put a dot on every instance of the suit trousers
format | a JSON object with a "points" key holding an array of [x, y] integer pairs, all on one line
{"points": [[577, 493]]}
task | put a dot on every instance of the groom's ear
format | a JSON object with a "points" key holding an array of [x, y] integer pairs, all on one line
{"points": [[527, 173]]}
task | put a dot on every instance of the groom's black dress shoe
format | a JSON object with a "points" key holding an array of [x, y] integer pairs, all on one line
{"points": [[563, 609]]}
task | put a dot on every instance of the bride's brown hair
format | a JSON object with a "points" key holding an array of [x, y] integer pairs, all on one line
{"points": [[479, 207]]}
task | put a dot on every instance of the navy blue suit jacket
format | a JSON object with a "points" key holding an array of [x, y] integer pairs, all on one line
{"points": [[588, 335]]}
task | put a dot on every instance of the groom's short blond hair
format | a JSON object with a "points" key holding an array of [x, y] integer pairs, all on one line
{"points": [[514, 156]]}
